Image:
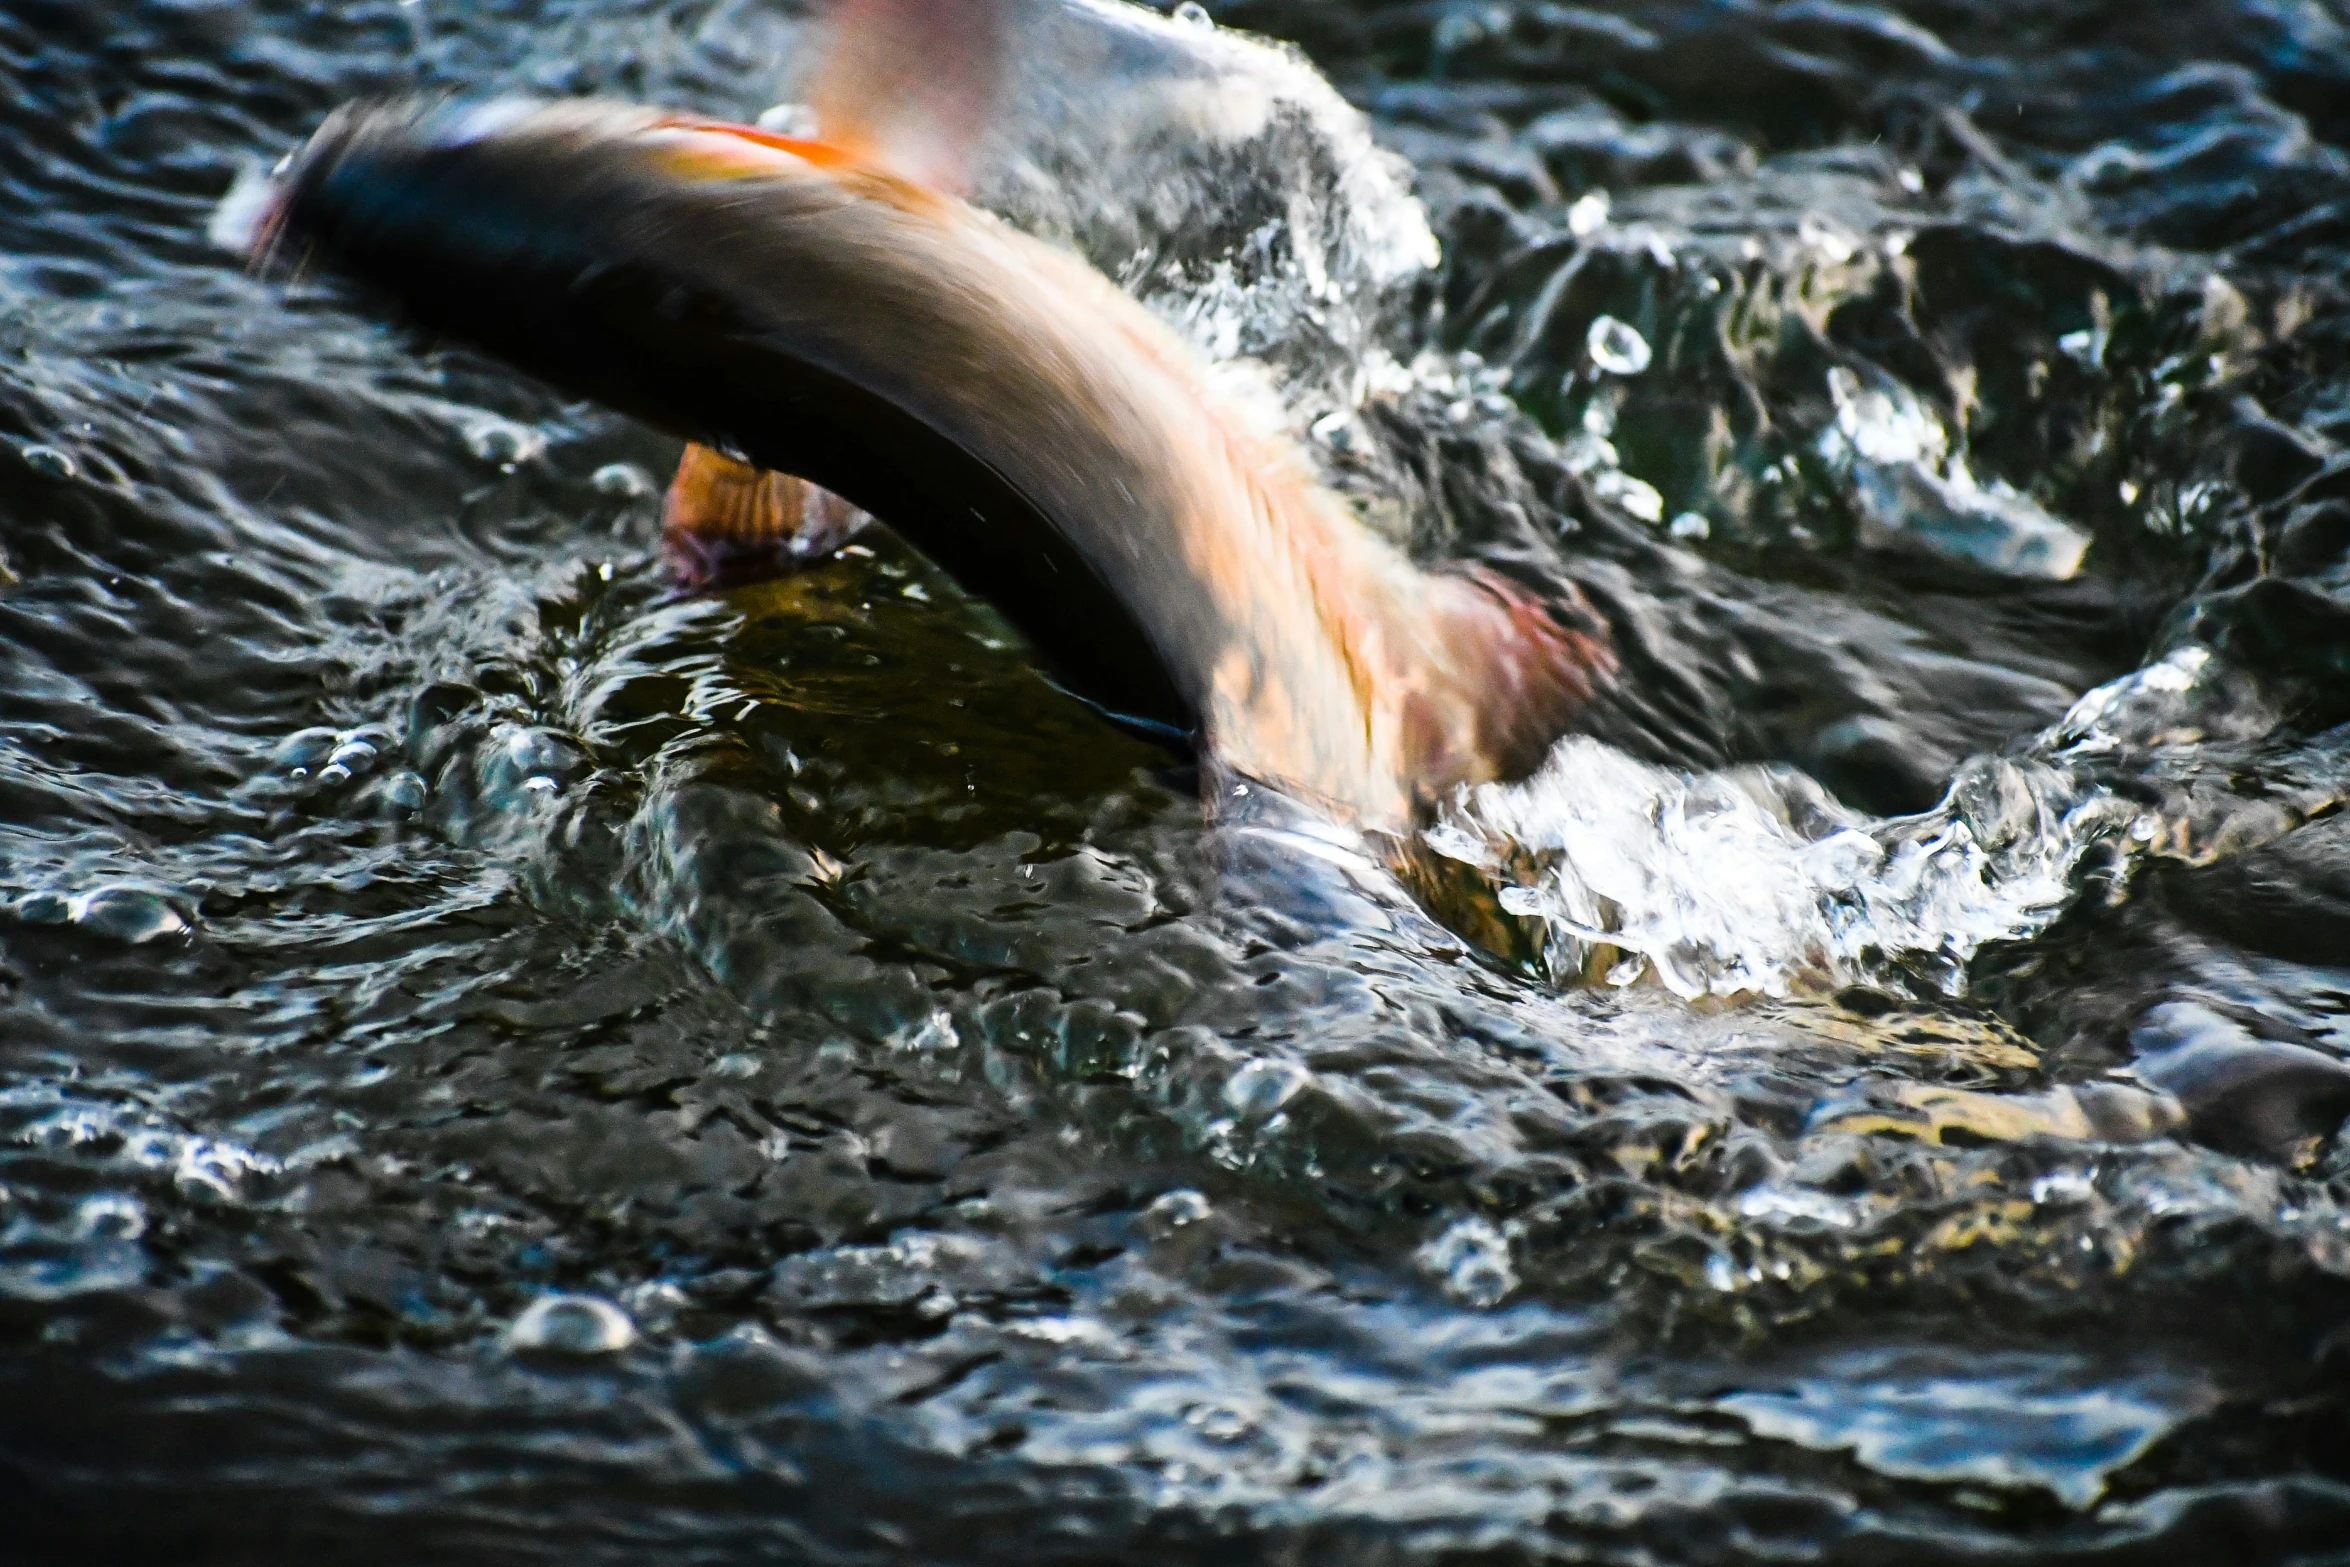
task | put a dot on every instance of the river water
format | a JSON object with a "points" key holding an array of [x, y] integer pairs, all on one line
{"points": [[506, 1062]]}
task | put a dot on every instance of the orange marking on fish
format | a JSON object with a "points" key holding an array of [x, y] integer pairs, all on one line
{"points": [[703, 149], [823, 155]]}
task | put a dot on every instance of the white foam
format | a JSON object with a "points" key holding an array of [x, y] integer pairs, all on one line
{"points": [[1754, 881]]}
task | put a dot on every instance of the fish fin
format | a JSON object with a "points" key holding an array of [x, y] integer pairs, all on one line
{"points": [[906, 88], [726, 522], [1527, 667], [912, 86]]}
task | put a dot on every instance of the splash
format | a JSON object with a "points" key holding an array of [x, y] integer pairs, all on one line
{"points": [[1757, 881], [1143, 123], [1913, 491]]}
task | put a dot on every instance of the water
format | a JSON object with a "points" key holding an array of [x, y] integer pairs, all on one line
{"points": [[505, 1063]]}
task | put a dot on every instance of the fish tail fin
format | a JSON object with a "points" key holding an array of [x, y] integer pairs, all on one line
{"points": [[1525, 666]]}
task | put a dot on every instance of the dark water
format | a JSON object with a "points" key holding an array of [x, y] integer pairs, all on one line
{"points": [[959, 1149]]}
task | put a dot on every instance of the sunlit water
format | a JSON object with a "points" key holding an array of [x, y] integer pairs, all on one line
{"points": [[503, 1063]]}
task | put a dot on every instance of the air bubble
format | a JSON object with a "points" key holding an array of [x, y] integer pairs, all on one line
{"points": [[1690, 527], [1616, 347], [656, 1302], [1264, 1086], [304, 748], [1175, 1210], [1588, 215], [49, 462], [536, 751], [1220, 1423], [571, 1325], [504, 443], [1192, 14], [1472, 1261], [109, 1216], [622, 480]]}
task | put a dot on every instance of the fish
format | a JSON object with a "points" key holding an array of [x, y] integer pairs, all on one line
{"points": [[809, 314]]}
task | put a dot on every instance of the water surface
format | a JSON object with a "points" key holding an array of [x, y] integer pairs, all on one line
{"points": [[504, 1063]]}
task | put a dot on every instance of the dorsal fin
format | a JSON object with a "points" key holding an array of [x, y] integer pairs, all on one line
{"points": [[907, 87], [912, 86]]}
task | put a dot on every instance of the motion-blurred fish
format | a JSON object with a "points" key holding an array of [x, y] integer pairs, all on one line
{"points": [[811, 308]]}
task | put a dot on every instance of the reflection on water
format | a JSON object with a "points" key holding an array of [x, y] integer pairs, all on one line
{"points": [[506, 1060]]}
